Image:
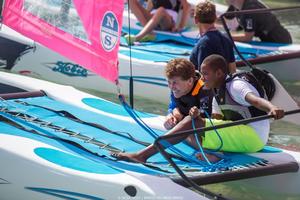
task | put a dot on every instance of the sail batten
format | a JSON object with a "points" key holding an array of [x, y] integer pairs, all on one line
{"points": [[87, 32]]}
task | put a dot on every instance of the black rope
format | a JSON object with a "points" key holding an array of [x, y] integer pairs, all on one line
{"points": [[19, 126], [54, 127], [186, 179], [73, 143], [220, 126], [131, 96], [72, 117]]}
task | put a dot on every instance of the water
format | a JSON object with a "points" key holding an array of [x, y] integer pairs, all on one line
{"points": [[282, 134]]}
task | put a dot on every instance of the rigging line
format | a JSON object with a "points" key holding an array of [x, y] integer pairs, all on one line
{"points": [[13, 120], [149, 130], [185, 178], [198, 143], [131, 98], [233, 43], [220, 126], [211, 165], [7, 119], [72, 117], [5, 103], [217, 132], [25, 119]]}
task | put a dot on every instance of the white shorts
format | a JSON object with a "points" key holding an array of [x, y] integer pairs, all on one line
{"points": [[172, 13]]}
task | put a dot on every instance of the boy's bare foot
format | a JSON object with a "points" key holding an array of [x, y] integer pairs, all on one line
{"points": [[211, 157], [128, 157]]}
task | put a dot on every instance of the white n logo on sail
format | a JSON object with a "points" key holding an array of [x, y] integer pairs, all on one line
{"points": [[109, 31], [110, 21]]}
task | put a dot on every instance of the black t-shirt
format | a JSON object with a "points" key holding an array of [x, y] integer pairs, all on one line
{"points": [[212, 42], [201, 100], [264, 25]]}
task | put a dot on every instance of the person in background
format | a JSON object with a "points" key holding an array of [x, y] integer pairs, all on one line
{"points": [[211, 40], [159, 15], [265, 26]]}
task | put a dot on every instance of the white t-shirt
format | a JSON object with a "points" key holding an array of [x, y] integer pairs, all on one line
{"points": [[170, 12], [238, 89]]}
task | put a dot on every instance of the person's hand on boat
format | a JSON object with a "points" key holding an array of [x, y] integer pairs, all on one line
{"points": [[170, 121], [173, 118], [194, 112], [277, 113], [177, 114]]}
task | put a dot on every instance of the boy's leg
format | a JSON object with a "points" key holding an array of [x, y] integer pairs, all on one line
{"points": [[240, 138], [147, 152], [142, 14], [160, 16]]}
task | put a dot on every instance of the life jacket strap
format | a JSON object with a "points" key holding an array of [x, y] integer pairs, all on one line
{"points": [[198, 87]]}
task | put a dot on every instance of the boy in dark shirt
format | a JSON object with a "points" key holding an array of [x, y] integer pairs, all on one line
{"points": [[186, 86]]}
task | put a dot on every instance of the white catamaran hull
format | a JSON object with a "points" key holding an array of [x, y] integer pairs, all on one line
{"points": [[24, 173]]}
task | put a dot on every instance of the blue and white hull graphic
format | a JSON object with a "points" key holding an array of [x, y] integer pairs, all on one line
{"points": [[31, 169]]}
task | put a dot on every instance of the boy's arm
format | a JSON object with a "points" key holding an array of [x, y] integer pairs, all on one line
{"points": [[184, 15], [177, 114], [216, 111], [264, 105], [173, 118], [242, 37], [216, 116], [174, 115]]}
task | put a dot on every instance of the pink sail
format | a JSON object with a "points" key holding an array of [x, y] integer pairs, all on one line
{"points": [[85, 31]]}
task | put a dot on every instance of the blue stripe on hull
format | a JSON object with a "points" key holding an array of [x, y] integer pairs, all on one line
{"points": [[74, 162], [63, 194]]}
